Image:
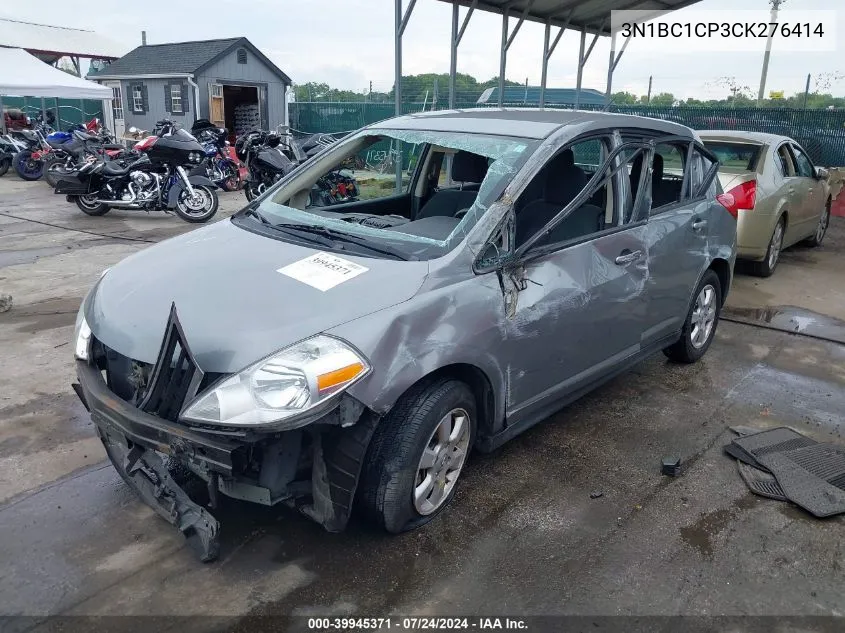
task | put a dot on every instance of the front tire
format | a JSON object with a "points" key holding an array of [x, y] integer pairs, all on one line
{"points": [[417, 454], [201, 208], [5, 164], [89, 206], [701, 322], [821, 227], [767, 267], [27, 167]]}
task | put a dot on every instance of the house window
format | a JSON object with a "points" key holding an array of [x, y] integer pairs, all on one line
{"points": [[242, 56], [137, 99], [176, 98], [217, 90]]}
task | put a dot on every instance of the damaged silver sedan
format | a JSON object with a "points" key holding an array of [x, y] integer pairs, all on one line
{"points": [[353, 355]]}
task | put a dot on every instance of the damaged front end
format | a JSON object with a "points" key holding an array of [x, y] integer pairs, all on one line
{"points": [[137, 409]]}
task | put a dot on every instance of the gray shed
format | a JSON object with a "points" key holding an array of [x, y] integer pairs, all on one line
{"points": [[227, 81]]}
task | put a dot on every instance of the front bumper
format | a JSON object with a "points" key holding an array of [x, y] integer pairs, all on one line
{"points": [[315, 469], [132, 438]]}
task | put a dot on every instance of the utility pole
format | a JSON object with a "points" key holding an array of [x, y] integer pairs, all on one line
{"points": [[648, 98], [806, 91], [773, 19]]}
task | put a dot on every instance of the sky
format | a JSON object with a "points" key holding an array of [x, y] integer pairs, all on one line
{"points": [[349, 43]]}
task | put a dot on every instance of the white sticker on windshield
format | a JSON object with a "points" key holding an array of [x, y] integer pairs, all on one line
{"points": [[323, 271]]}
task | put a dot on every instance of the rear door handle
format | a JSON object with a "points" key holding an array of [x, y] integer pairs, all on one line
{"points": [[698, 225], [627, 258]]}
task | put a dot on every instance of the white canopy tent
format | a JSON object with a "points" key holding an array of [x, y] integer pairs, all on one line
{"points": [[23, 75]]}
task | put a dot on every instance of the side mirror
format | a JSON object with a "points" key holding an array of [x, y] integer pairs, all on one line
{"points": [[822, 173]]}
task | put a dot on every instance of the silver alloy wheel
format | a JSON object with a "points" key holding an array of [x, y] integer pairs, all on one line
{"points": [[441, 462], [775, 246], [821, 229], [703, 316], [197, 204]]}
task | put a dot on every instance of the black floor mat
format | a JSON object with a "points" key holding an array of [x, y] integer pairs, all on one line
{"points": [[743, 456], [761, 482], [810, 474]]}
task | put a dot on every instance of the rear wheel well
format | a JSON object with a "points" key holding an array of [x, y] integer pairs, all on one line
{"points": [[723, 271], [477, 381]]}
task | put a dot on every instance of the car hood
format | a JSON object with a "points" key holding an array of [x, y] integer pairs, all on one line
{"points": [[234, 306]]}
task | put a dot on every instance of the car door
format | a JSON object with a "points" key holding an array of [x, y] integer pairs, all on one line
{"points": [[676, 236], [578, 293], [812, 192]]}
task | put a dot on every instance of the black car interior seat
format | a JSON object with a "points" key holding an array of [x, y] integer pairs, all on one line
{"points": [[563, 181], [469, 170]]}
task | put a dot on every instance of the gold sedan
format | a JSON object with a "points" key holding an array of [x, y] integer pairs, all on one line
{"points": [[773, 189]]}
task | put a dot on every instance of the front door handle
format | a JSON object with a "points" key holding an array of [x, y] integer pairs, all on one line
{"points": [[699, 225], [627, 258]]}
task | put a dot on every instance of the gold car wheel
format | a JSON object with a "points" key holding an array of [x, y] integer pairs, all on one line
{"points": [[821, 229]]}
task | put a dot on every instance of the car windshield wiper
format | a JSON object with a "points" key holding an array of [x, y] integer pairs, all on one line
{"points": [[340, 236], [250, 210]]}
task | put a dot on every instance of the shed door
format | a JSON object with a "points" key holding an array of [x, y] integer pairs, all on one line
{"points": [[216, 109]]}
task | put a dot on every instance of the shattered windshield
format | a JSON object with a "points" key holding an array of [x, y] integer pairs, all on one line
{"points": [[406, 194]]}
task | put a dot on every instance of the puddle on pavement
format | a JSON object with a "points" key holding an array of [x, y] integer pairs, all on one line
{"points": [[45, 315], [702, 533], [30, 255], [791, 319]]}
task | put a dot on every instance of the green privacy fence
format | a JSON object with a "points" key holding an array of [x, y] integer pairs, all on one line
{"points": [[70, 111], [820, 132]]}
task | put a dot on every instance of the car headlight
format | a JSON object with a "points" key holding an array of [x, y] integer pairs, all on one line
{"points": [[285, 385], [82, 338]]}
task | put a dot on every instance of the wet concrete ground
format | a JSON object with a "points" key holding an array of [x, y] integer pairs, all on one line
{"points": [[523, 535]]}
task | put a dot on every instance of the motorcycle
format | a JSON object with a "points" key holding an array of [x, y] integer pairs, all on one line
{"points": [[265, 160], [9, 147], [29, 162], [153, 178], [71, 150], [222, 170]]}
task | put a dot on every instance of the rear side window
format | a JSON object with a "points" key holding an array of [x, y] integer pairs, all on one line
{"points": [[667, 175], [735, 157], [702, 178]]}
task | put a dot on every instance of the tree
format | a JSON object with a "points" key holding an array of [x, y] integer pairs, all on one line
{"points": [[664, 99], [624, 98]]}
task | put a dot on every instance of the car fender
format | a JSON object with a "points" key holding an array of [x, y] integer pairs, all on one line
{"points": [[178, 187]]}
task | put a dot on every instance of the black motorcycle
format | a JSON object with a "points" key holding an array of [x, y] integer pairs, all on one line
{"points": [[69, 156], [153, 178], [265, 159]]}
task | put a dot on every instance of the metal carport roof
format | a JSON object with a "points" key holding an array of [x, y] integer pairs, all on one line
{"points": [[590, 17]]}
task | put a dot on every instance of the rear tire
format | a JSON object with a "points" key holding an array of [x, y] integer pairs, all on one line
{"points": [[701, 322], [54, 170], [417, 454], [821, 228], [193, 212], [4, 165], [88, 205], [767, 267], [27, 168]]}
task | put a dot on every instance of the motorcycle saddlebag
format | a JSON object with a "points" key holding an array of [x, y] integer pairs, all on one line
{"points": [[71, 185]]}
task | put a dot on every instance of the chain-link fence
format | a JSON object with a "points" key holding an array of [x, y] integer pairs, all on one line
{"points": [[820, 132], [70, 111]]}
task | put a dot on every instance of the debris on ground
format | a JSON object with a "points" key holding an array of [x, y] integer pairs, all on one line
{"points": [[5, 303], [671, 466], [783, 464], [596, 494]]}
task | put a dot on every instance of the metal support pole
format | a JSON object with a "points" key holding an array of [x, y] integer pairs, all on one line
{"points": [[457, 35], [453, 55], [401, 21], [43, 111], [580, 67], [503, 56], [648, 97], [614, 61], [548, 49], [807, 91], [2, 117], [772, 19]]}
